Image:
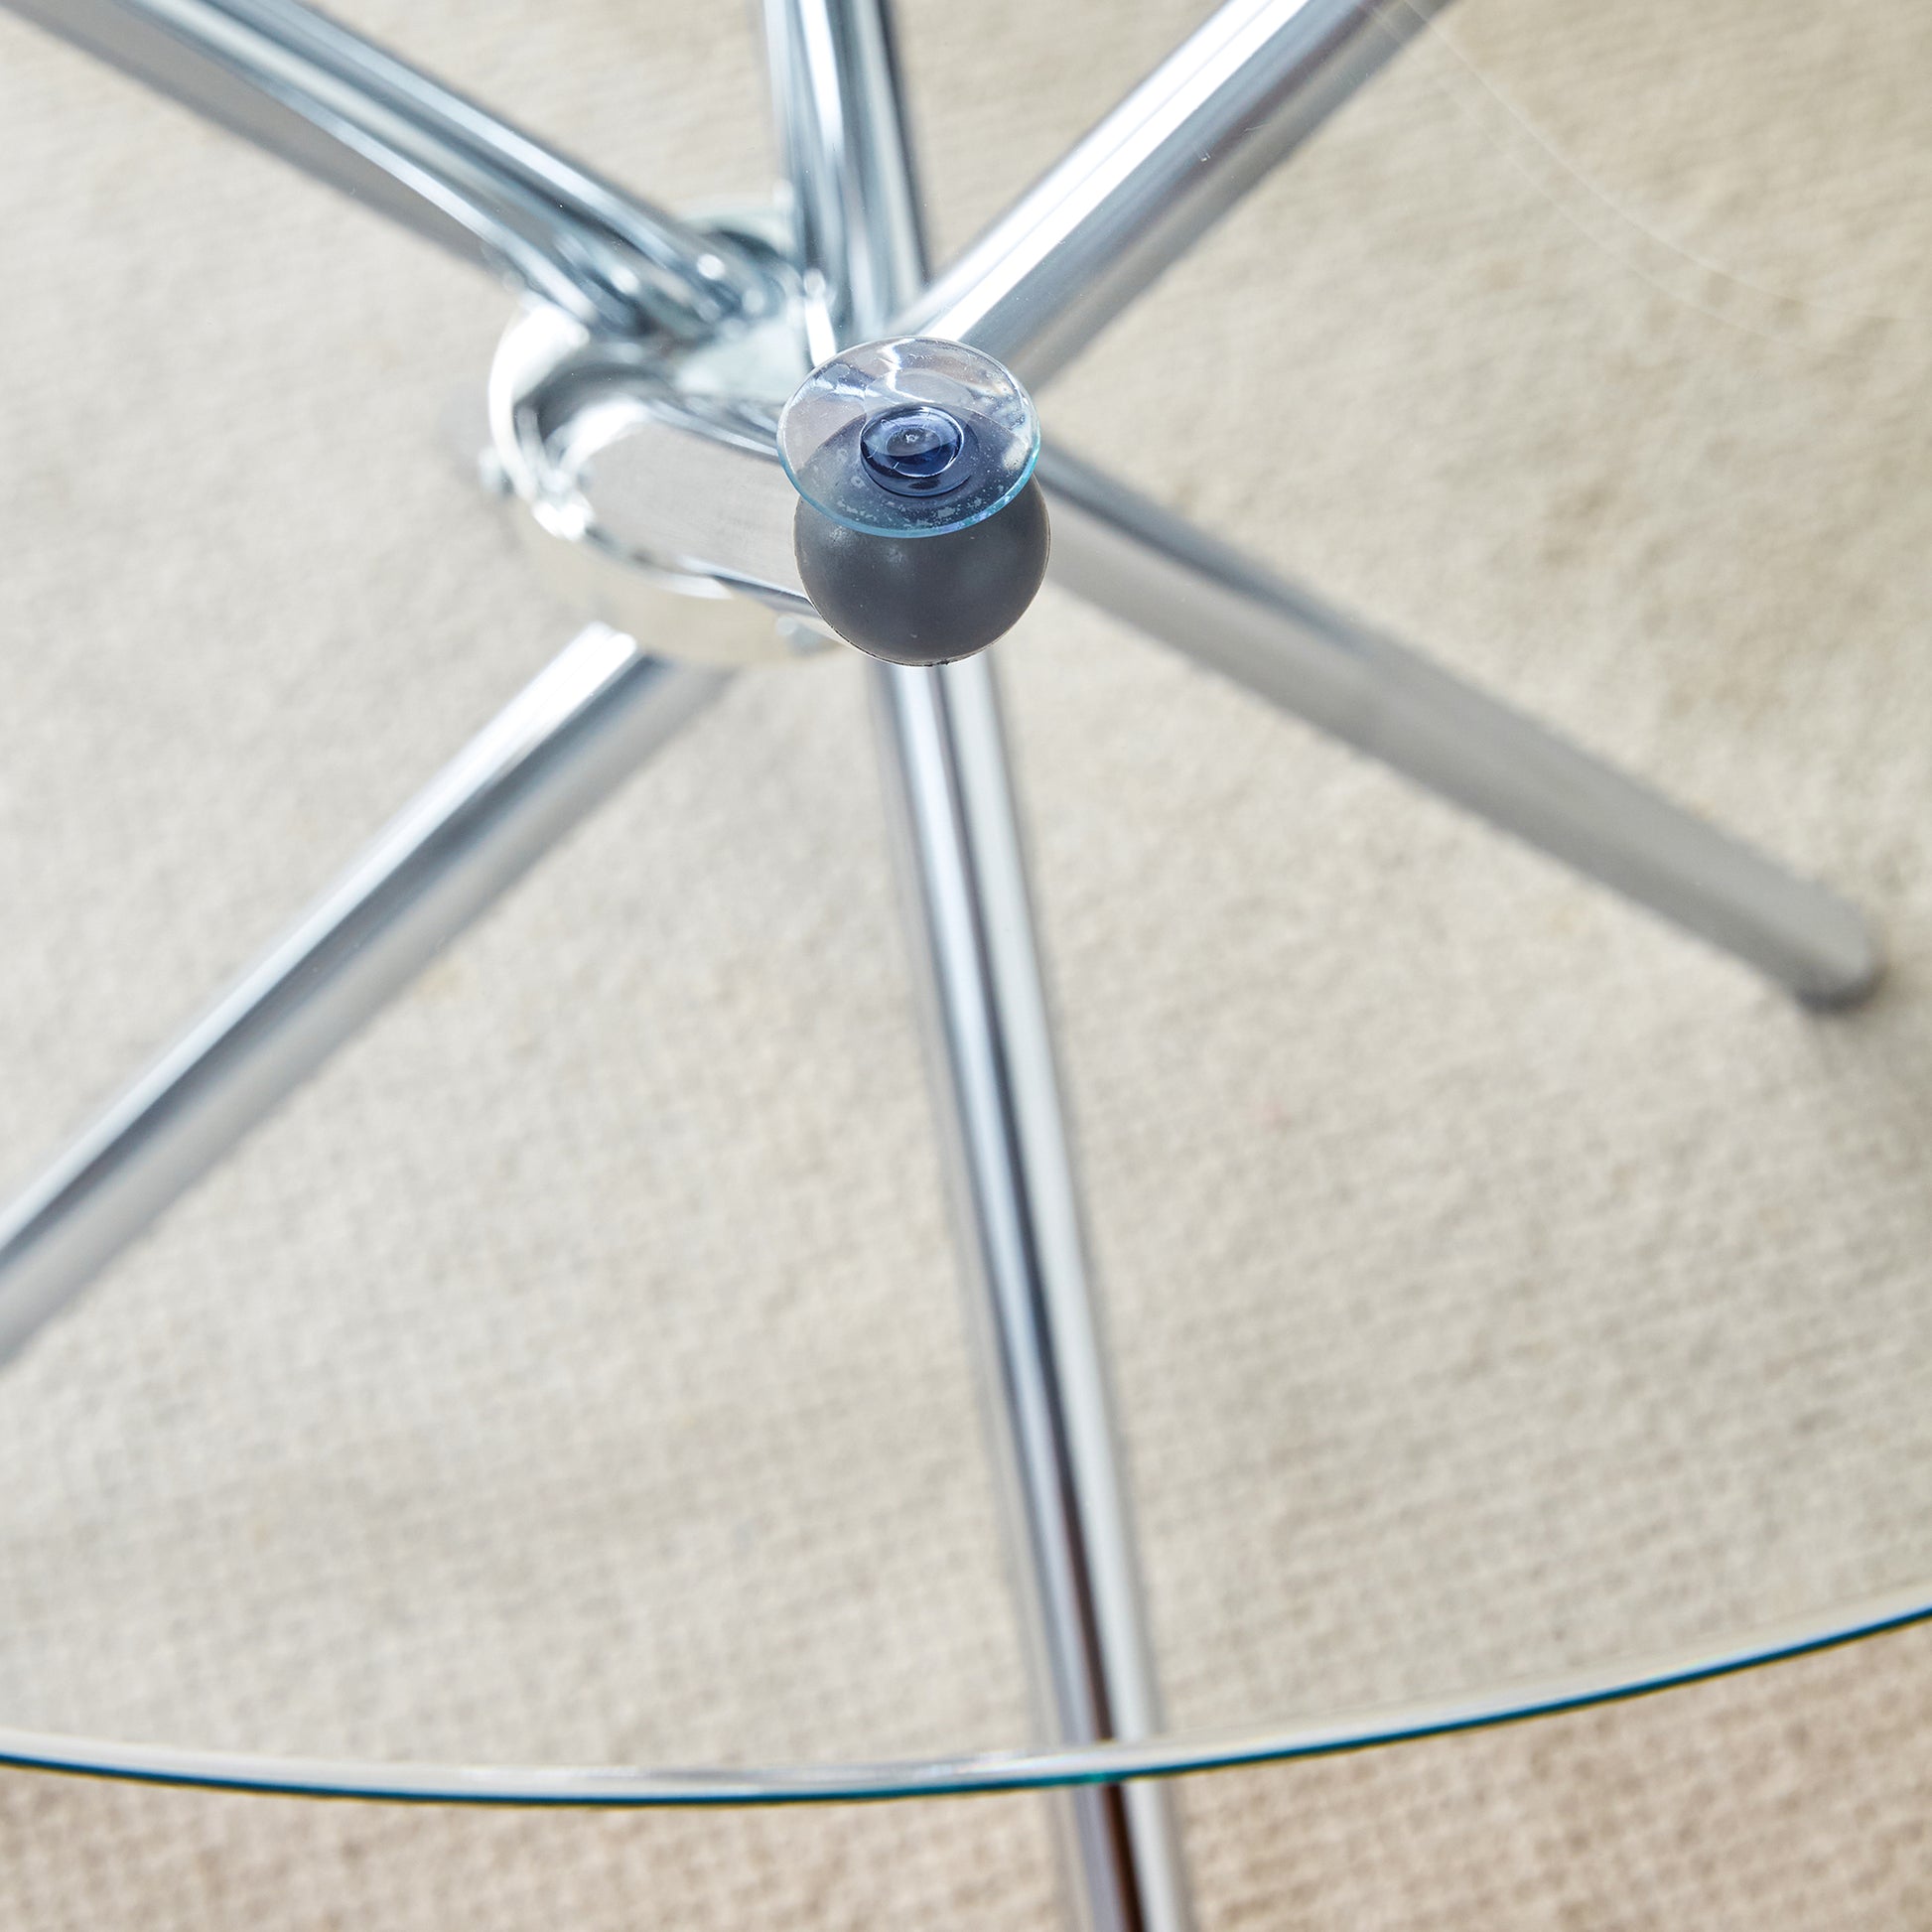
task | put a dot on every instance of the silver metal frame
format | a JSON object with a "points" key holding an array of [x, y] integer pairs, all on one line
{"points": [[660, 325], [956, 834]]}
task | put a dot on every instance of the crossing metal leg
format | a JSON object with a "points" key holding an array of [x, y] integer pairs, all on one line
{"points": [[574, 734], [950, 800], [1204, 599], [950, 804]]}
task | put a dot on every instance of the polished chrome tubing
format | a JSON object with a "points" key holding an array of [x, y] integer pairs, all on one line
{"points": [[353, 115], [950, 802], [854, 198], [561, 747], [1150, 569], [1253, 82]]}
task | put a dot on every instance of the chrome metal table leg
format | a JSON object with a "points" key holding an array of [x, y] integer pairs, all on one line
{"points": [[1129, 556], [1240, 95], [950, 801], [568, 740], [349, 113]]}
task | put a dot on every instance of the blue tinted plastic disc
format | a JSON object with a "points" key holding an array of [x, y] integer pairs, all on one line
{"points": [[910, 437]]}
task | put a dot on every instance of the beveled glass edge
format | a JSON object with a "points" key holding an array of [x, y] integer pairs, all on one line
{"points": [[618, 1786]]}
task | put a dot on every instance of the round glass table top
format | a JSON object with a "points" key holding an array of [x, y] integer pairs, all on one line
{"points": [[564, 1397]]}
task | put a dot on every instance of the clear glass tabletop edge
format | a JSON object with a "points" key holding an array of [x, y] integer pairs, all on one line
{"points": [[1040, 1768]]}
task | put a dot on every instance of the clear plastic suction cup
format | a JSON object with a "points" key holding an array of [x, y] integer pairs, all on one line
{"points": [[910, 437]]}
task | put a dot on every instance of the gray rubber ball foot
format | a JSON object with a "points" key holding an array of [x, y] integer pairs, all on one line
{"points": [[924, 599]]}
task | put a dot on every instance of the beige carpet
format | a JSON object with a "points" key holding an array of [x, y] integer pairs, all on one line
{"points": [[574, 1370]]}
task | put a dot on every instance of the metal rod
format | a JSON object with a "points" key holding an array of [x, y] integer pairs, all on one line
{"points": [[950, 803], [835, 90], [560, 747], [1190, 590], [353, 115], [1253, 82]]}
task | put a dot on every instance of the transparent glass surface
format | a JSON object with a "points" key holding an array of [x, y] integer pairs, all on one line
{"points": [[910, 437], [565, 1398]]}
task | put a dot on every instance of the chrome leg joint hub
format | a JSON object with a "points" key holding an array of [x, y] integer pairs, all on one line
{"points": [[627, 458]]}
